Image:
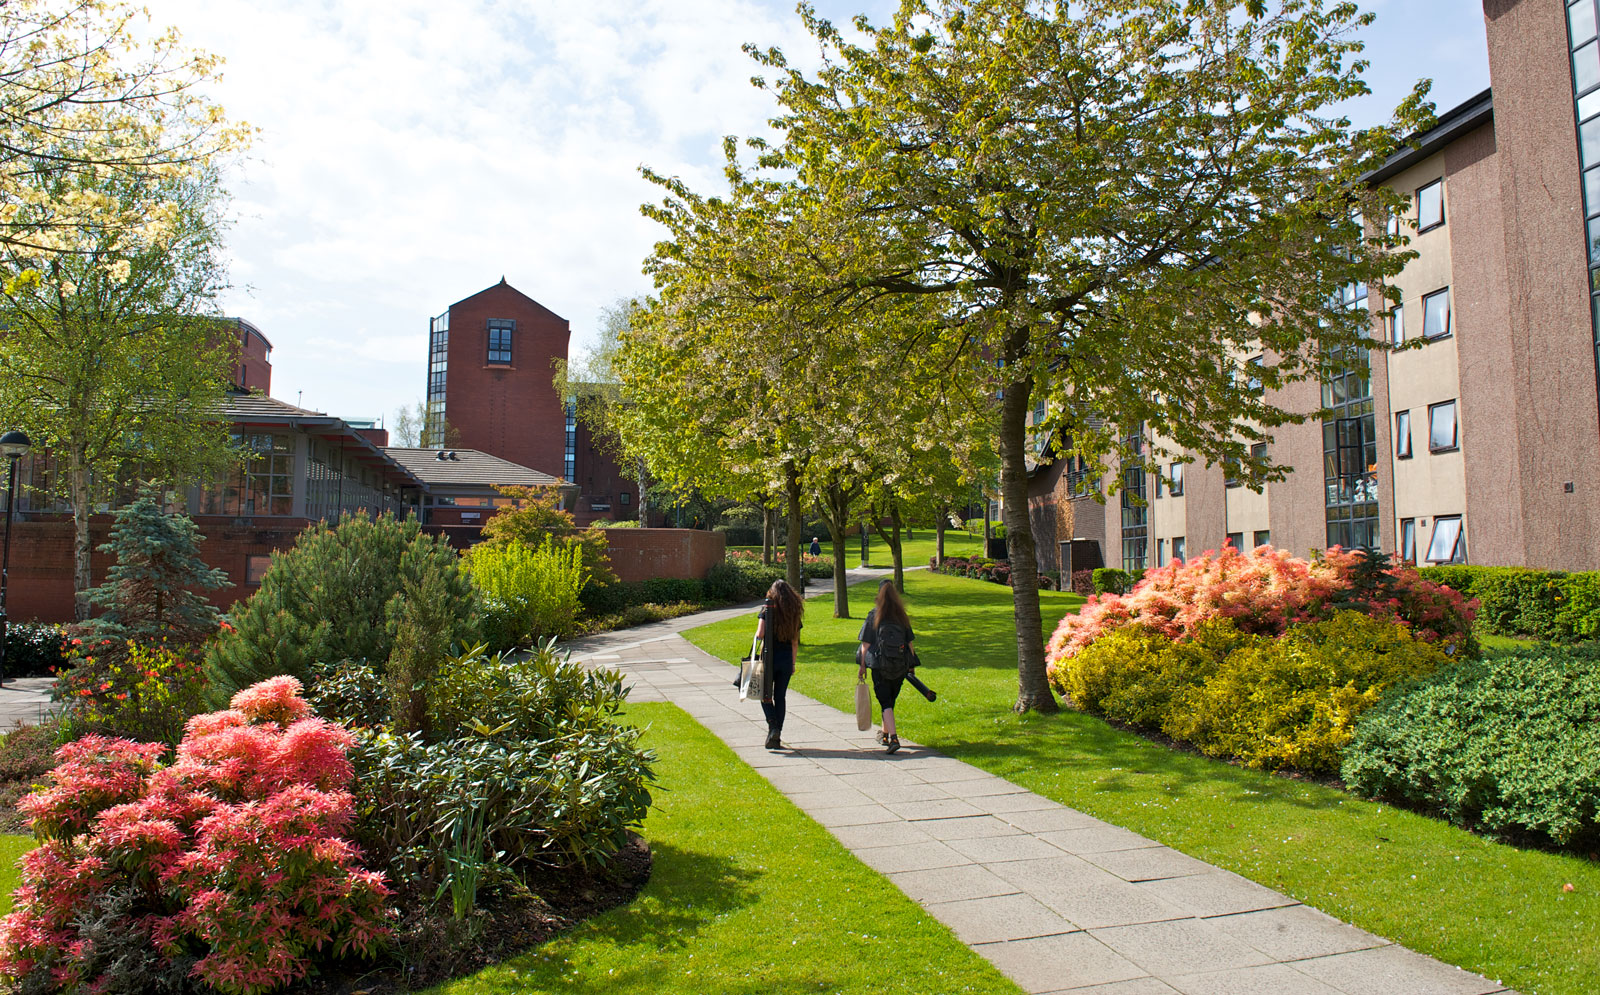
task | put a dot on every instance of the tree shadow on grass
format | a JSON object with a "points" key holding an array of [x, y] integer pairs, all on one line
{"points": [[688, 890]]}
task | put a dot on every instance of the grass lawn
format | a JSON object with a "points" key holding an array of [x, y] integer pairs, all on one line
{"points": [[914, 553], [748, 896], [11, 848], [1485, 906]]}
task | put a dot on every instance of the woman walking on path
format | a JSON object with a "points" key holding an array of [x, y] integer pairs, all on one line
{"points": [[886, 648], [778, 628]]}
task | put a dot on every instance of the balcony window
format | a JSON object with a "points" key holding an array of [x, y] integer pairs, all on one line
{"points": [[1442, 433], [1430, 206], [1436, 315]]}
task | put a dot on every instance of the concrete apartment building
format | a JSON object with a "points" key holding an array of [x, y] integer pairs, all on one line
{"points": [[1481, 445], [491, 369]]}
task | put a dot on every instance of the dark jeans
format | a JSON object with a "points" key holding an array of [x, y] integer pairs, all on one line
{"points": [[779, 706]]}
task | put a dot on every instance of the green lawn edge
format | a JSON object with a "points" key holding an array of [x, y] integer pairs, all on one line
{"points": [[1491, 908], [748, 896], [913, 553]]}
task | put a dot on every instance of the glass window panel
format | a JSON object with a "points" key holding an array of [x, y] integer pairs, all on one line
{"points": [[1589, 141], [1442, 426], [1580, 20], [1397, 324], [1445, 546], [1178, 548], [1177, 480], [1263, 537], [1589, 105], [1402, 434], [1436, 315], [1586, 67], [1430, 205], [1594, 241], [1408, 539]]}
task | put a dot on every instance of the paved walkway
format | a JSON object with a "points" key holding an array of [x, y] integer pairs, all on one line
{"points": [[25, 701], [1057, 900]]}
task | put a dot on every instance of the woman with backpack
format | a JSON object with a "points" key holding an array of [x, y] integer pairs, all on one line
{"points": [[778, 628], [886, 648]]}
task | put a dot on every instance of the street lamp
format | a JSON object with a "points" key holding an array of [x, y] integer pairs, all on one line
{"points": [[13, 446]]}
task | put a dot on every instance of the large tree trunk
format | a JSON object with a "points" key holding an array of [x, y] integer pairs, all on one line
{"points": [[891, 538], [793, 568], [1033, 686], [836, 510], [768, 540], [82, 580]]}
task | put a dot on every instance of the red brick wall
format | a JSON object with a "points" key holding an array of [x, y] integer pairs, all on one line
{"points": [[40, 587], [508, 411], [640, 554], [600, 479]]}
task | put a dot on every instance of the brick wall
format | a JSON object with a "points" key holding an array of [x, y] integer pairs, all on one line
{"points": [[640, 554], [40, 586]]}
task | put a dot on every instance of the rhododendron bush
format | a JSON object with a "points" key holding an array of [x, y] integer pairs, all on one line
{"points": [[230, 864], [1265, 592]]}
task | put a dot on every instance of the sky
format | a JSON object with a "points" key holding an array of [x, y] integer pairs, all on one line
{"points": [[411, 153]]}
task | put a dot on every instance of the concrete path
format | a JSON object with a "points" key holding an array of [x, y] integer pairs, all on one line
{"points": [[25, 701], [1057, 900]]}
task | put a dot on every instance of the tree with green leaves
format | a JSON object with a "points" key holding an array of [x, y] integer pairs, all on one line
{"points": [[152, 592], [1119, 202], [591, 384], [114, 365]]}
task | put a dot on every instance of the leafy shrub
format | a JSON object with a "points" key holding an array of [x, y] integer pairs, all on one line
{"points": [[1271, 702], [28, 752], [1508, 745], [537, 518], [739, 580], [978, 568], [528, 594], [351, 694], [814, 567], [640, 615], [335, 596], [1266, 591], [1083, 582], [34, 649], [235, 853], [1518, 601], [135, 691], [553, 782], [626, 523], [740, 535], [1110, 580], [974, 526]]}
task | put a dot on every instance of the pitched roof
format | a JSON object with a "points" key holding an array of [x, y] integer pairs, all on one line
{"points": [[245, 409], [468, 468], [1449, 126]]}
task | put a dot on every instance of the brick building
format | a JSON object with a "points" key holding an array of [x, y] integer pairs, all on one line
{"points": [[492, 361], [1483, 444]]}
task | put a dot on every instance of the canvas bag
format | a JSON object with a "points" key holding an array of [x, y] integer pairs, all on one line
{"points": [[751, 671], [863, 706]]}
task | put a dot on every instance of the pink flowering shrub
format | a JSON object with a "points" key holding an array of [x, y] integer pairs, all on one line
{"points": [[235, 854], [1265, 592]]}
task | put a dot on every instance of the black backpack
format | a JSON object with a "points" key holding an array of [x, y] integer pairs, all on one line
{"points": [[891, 658]]}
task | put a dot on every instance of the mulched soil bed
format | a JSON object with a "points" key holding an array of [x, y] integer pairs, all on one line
{"points": [[436, 948]]}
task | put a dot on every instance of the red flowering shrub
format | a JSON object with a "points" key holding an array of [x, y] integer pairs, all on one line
{"points": [[1266, 592], [140, 691], [235, 854]]}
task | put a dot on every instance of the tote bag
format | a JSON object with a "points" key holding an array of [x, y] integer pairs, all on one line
{"points": [[863, 706], [750, 671]]}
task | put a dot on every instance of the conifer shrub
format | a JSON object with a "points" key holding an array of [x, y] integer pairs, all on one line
{"points": [[339, 594], [231, 864], [1508, 745]]}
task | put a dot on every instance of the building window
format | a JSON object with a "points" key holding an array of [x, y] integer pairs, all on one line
{"points": [[1448, 544], [625, 498], [1175, 479], [1258, 454], [1397, 325], [1436, 315], [1430, 206], [255, 568], [1252, 370], [1402, 434], [1442, 434], [1230, 471], [1178, 548], [570, 460], [1581, 30], [1236, 540], [438, 369], [1161, 552], [1350, 451], [1408, 540], [1263, 537], [500, 330], [1135, 510], [263, 485]]}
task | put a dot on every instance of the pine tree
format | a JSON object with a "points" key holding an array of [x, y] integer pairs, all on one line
{"points": [[151, 593]]}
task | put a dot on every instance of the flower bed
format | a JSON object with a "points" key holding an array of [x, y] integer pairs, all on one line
{"points": [[979, 568]]}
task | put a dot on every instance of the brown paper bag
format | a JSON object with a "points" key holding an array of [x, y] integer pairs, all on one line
{"points": [[863, 706]]}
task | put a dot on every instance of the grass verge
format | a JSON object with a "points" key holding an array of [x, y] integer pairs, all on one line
{"points": [[11, 850], [1488, 907], [748, 895], [914, 553]]}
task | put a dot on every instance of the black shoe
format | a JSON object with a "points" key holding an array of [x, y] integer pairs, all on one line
{"points": [[772, 740], [894, 745]]}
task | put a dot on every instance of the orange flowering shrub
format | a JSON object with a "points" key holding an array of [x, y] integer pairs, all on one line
{"points": [[1265, 592], [140, 691], [230, 865]]}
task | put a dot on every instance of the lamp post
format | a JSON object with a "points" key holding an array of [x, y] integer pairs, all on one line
{"points": [[13, 446]]}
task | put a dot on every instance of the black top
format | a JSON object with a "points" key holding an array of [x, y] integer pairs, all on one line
{"points": [[869, 629], [782, 653]]}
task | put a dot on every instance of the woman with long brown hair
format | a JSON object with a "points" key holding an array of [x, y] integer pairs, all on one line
{"points": [[886, 648], [778, 628]]}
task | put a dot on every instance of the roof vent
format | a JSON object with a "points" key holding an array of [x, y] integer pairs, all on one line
{"points": [[454, 456], [440, 455]]}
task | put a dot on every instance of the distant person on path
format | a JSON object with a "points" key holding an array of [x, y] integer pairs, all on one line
{"points": [[778, 628], [816, 547], [886, 649]]}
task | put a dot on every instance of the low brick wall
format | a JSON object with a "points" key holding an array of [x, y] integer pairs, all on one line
{"points": [[640, 554], [40, 580]]}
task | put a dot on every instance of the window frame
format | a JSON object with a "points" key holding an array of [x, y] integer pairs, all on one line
{"points": [[1449, 316], [1261, 537], [1175, 480], [1455, 427], [1180, 546], [1408, 540], [1439, 183], [1397, 325], [497, 325], [1234, 539], [1402, 435], [1458, 548]]}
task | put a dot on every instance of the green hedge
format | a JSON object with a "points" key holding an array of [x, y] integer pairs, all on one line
{"points": [[609, 599], [740, 535], [741, 580], [33, 649], [1110, 580], [1509, 744], [1521, 601]]}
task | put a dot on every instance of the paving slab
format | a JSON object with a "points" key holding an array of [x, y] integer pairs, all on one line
{"points": [[1056, 899]]}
